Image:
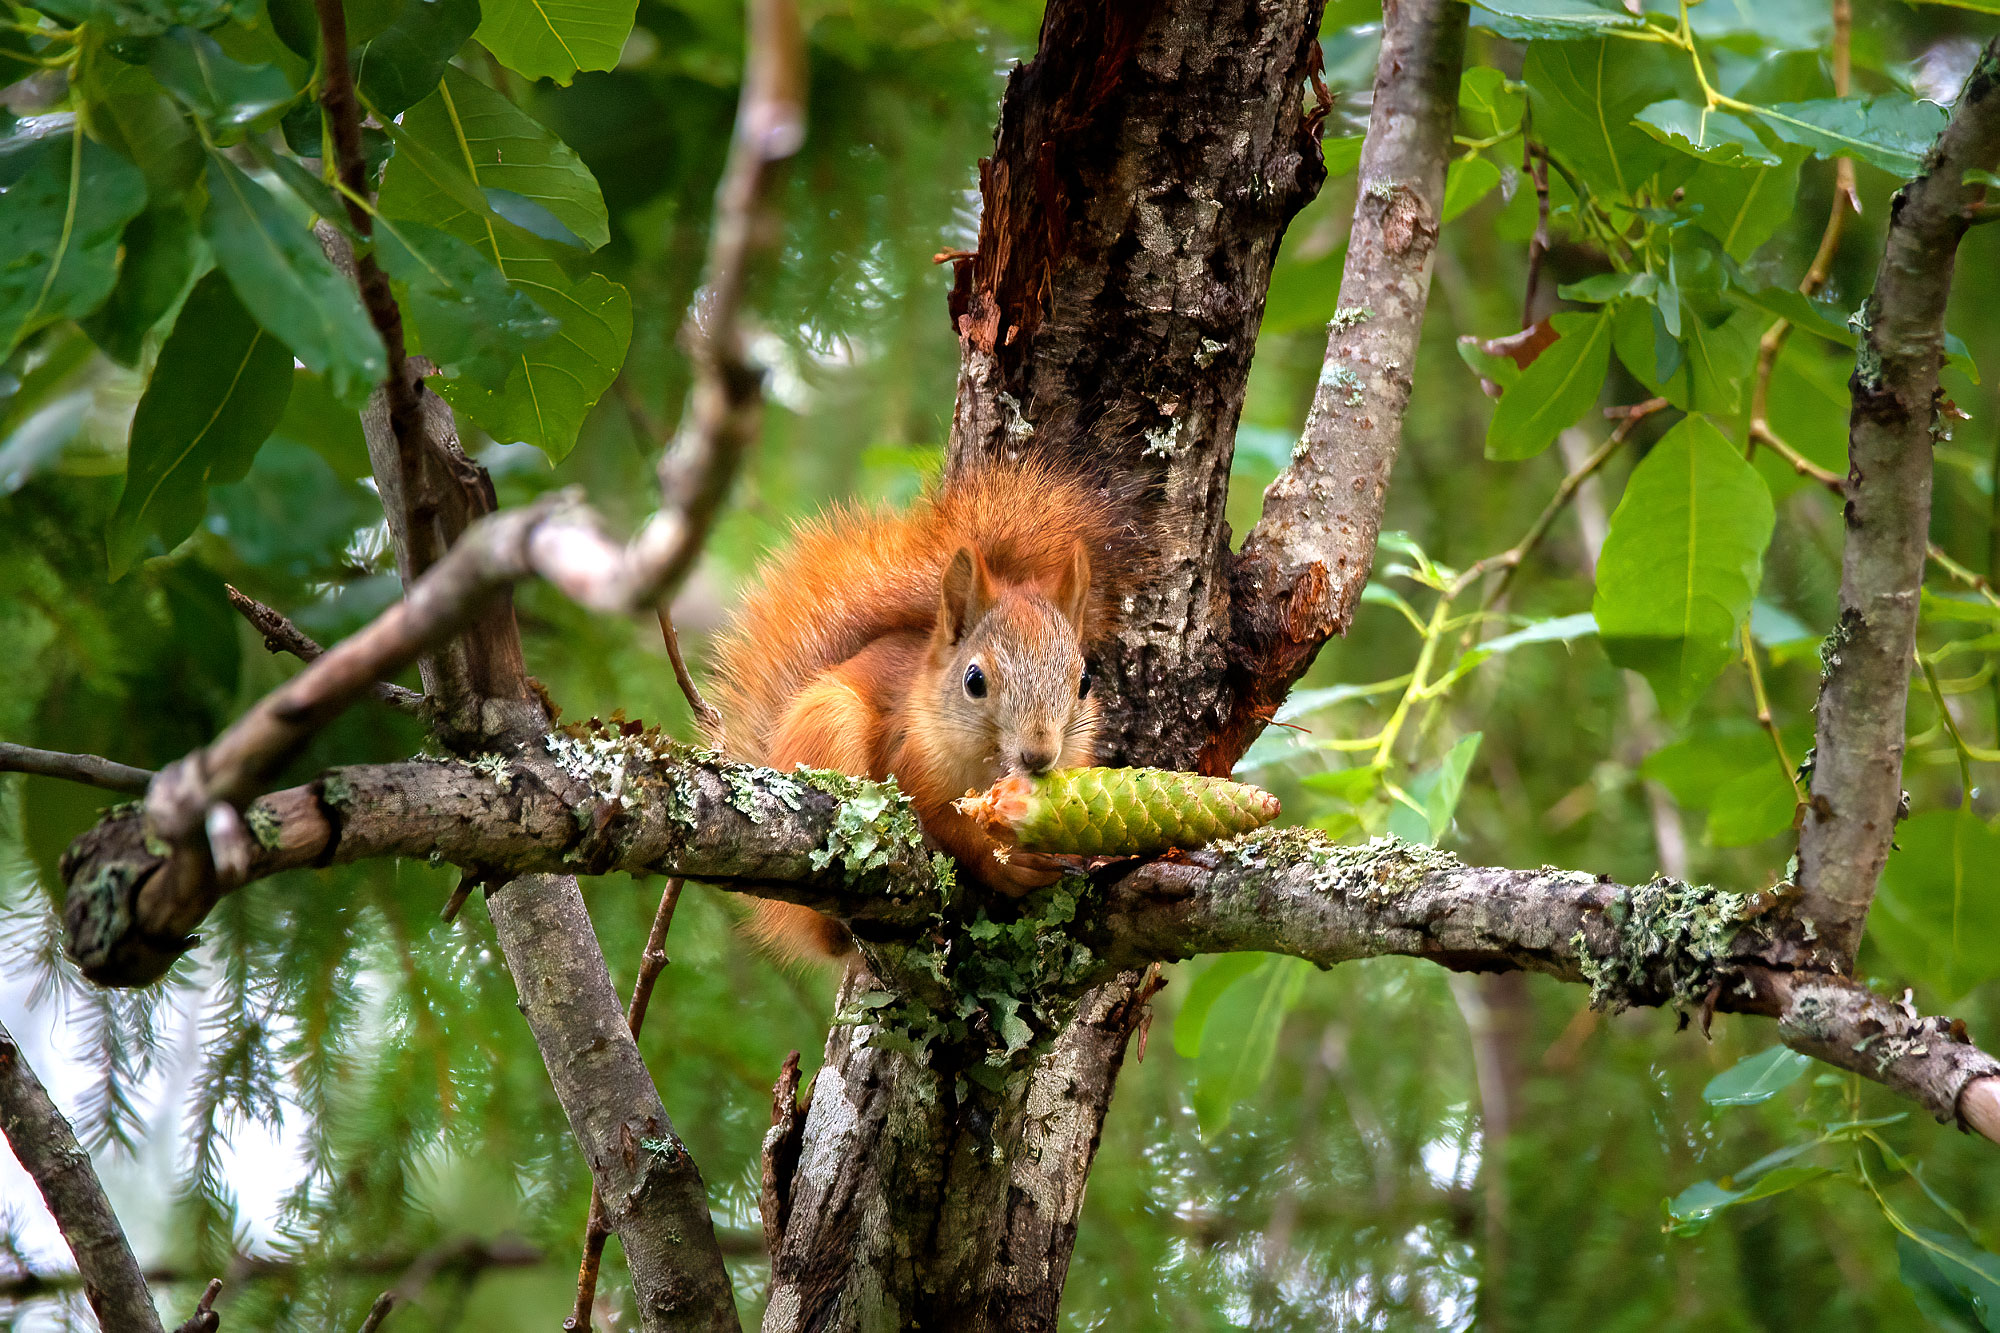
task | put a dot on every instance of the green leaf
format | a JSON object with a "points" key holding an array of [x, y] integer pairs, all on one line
{"points": [[1690, 1211], [1714, 360], [1682, 562], [1785, 23], [1208, 986], [1754, 805], [1241, 1038], [217, 392], [1437, 791], [160, 256], [1951, 1274], [1711, 135], [229, 97], [318, 420], [1555, 390], [145, 18], [1550, 20], [1756, 1078], [461, 310], [128, 110], [1601, 287], [1892, 131], [489, 141], [1937, 915], [59, 230], [287, 282], [1486, 105], [1468, 180], [530, 216], [553, 39], [402, 65], [1585, 95]]}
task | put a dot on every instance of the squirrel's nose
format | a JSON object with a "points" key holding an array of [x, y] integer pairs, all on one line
{"points": [[1037, 761]]}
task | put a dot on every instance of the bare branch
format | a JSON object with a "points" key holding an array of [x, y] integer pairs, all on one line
{"points": [[204, 1319], [48, 1151], [705, 715], [378, 1312], [282, 636], [1304, 565], [88, 769], [1856, 784]]}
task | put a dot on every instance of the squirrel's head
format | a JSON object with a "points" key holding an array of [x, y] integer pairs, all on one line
{"points": [[1011, 692]]}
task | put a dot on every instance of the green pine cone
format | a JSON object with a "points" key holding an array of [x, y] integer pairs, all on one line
{"points": [[1118, 811]]}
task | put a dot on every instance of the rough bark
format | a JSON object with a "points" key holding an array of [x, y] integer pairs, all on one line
{"points": [[49, 1152], [1858, 748], [1303, 566], [1146, 163]]}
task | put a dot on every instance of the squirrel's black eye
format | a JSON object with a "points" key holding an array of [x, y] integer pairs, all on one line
{"points": [[975, 682], [1083, 686]]}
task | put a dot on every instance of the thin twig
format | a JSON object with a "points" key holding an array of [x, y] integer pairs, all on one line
{"points": [[1535, 161], [1764, 718], [343, 116], [705, 714], [1979, 583], [1761, 433], [1817, 272], [597, 1227], [282, 636], [1510, 560], [378, 1312], [88, 769], [204, 1319], [61, 1169]]}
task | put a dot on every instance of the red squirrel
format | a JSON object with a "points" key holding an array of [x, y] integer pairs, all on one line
{"points": [[944, 646]]}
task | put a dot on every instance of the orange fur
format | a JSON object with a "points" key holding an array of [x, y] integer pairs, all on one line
{"points": [[825, 656]]}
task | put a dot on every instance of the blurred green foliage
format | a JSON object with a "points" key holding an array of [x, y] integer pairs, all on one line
{"points": [[1384, 1146]]}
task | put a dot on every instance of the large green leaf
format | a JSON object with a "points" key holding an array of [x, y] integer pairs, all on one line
{"points": [[160, 256], [59, 229], [1743, 206], [1783, 23], [1487, 106], [1713, 363], [1682, 562], [145, 18], [1239, 1037], [1437, 790], [437, 177], [1555, 390], [127, 110], [1585, 95], [1937, 913], [1690, 1211], [230, 97], [492, 143], [216, 393], [1890, 130], [1551, 20], [461, 311], [402, 64], [553, 39], [1756, 1078], [1951, 1277], [1709, 134], [286, 281]]}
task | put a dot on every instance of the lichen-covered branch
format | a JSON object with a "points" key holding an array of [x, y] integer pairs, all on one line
{"points": [[1665, 943], [1858, 750], [590, 804], [1302, 568], [48, 1151]]}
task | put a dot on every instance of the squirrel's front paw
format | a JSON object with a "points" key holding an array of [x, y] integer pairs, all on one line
{"points": [[1014, 872]]}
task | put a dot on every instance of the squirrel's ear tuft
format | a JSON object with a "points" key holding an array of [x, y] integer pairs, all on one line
{"points": [[1072, 592], [967, 594]]}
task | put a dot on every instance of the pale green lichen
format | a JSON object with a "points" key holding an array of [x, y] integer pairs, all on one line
{"points": [[1668, 936], [1340, 377], [496, 767], [265, 826], [1204, 358], [1163, 442], [1379, 867], [1348, 317], [874, 825], [1836, 641]]}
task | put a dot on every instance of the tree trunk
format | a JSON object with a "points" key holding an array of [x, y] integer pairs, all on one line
{"points": [[1146, 164]]}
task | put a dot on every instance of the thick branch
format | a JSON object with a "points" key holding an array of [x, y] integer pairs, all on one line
{"points": [[61, 1169], [1857, 774], [1302, 568], [88, 769]]}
